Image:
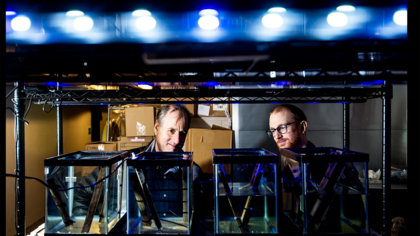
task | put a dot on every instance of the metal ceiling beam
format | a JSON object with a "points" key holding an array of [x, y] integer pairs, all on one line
{"points": [[261, 77], [215, 96]]}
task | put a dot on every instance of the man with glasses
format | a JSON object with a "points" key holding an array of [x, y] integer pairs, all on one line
{"points": [[288, 126]]}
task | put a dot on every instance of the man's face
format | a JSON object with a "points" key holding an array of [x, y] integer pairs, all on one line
{"points": [[292, 138], [171, 134]]}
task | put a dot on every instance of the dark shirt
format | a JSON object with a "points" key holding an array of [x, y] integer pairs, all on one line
{"points": [[165, 186]]}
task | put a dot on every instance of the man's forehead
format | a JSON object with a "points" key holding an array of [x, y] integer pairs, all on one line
{"points": [[280, 118], [174, 120]]}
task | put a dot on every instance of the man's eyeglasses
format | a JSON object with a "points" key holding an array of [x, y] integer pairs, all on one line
{"points": [[282, 129]]}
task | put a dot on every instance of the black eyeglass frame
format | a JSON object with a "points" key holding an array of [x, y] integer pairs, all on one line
{"points": [[270, 132]]}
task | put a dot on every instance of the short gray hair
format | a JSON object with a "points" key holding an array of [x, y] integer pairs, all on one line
{"points": [[183, 113]]}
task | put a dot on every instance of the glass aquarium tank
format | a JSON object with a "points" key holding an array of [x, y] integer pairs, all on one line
{"points": [[245, 187], [159, 193], [85, 193], [325, 190]]}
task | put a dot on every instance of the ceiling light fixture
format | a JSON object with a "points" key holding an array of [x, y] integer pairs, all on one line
{"points": [[74, 13], [272, 20], [337, 19], [345, 8], [83, 23], [141, 13], [208, 22], [400, 17], [21, 23], [277, 9], [145, 23]]}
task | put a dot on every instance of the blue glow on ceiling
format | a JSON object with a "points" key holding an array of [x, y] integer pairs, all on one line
{"points": [[51, 83], [372, 83], [211, 84], [297, 24]]}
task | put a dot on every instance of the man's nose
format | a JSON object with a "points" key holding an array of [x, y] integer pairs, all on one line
{"points": [[277, 134], [176, 138]]}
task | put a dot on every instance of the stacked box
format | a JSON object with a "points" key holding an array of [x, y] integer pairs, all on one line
{"points": [[215, 109], [202, 141], [101, 146], [128, 143], [140, 121]]}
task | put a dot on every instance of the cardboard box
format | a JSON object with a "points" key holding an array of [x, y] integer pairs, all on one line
{"points": [[101, 146], [203, 110], [136, 139], [190, 108], [127, 143], [156, 106], [139, 121], [209, 122], [124, 145], [202, 141]]}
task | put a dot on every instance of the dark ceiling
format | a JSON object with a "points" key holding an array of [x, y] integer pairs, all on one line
{"points": [[344, 55], [184, 5], [112, 59]]}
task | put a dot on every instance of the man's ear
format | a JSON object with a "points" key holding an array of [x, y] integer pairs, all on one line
{"points": [[304, 125], [156, 127]]}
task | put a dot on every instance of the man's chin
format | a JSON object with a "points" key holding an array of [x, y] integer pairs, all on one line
{"points": [[283, 146], [173, 149]]}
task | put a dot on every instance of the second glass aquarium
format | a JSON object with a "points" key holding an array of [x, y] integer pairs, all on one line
{"points": [[246, 185], [325, 190], [86, 193], [159, 193]]}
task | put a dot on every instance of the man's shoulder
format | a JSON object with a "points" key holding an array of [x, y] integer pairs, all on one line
{"points": [[310, 145], [150, 147]]}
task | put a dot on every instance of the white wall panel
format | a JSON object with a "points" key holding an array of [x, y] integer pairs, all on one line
{"points": [[368, 141], [399, 107], [328, 138]]}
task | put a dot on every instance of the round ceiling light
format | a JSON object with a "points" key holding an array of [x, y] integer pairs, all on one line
{"points": [[272, 20], [337, 19], [208, 22], [21, 23]]}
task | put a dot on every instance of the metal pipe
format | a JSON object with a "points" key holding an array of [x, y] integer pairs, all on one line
{"points": [[70, 184], [119, 189], [46, 172], [70, 178], [346, 123], [107, 130], [386, 157], [59, 125], [106, 199], [216, 198], [19, 106]]}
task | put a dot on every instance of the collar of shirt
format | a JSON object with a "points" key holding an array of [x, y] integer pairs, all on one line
{"points": [[151, 147]]}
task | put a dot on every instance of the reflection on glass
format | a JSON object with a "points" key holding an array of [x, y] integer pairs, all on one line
{"points": [[246, 193], [322, 196]]}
